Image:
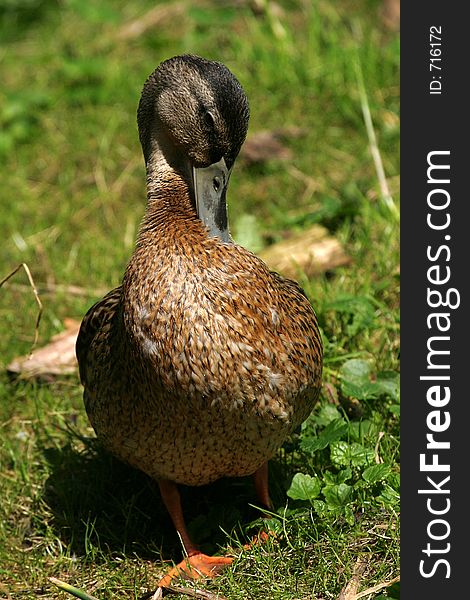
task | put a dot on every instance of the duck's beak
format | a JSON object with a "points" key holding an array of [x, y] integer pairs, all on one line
{"points": [[210, 188]]}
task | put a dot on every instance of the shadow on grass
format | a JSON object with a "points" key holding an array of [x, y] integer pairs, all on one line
{"points": [[102, 507]]}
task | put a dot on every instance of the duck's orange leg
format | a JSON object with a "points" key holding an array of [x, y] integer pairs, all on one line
{"points": [[196, 564], [262, 485], [262, 491]]}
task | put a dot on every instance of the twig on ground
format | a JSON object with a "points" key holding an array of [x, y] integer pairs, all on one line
{"points": [[36, 296], [331, 393], [378, 458], [59, 288], [194, 593], [349, 591], [378, 587]]}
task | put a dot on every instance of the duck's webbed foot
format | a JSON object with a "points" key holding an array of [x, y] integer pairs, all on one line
{"points": [[196, 566]]}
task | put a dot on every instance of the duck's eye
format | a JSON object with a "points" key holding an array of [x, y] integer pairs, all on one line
{"points": [[208, 118], [216, 183]]}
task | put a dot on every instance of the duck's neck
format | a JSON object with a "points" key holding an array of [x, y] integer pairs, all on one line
{"points": [[169, 194], [170, 227]]}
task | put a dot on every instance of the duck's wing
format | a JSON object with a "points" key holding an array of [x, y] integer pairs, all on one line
{"points": [[289, 284], [301, 314], [96, 322]]}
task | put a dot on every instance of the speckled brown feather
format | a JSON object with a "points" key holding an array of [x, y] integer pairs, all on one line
{"points": [[203, 362]]}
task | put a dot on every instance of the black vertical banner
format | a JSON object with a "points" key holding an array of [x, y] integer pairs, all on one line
{"points": [[435, 258]]}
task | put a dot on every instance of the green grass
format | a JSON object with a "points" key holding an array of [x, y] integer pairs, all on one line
{"points": [[72, 193]]}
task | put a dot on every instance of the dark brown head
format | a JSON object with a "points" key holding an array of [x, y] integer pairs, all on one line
{"points": [[194, 108], [194, 114]]}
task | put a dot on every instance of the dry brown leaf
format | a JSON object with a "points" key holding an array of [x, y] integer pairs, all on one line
{"points": [[56, 358], [263, 146], [390, 13], [267, 145], [313, 251]]}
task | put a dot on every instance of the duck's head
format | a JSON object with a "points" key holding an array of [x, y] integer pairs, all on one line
{"points": [[195, 113]]}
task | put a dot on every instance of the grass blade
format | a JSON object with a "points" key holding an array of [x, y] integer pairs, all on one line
{"points": [[71, 589], [374, 148]]}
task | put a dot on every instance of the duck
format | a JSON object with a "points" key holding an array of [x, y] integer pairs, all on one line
{"points": [[203, 361]]}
